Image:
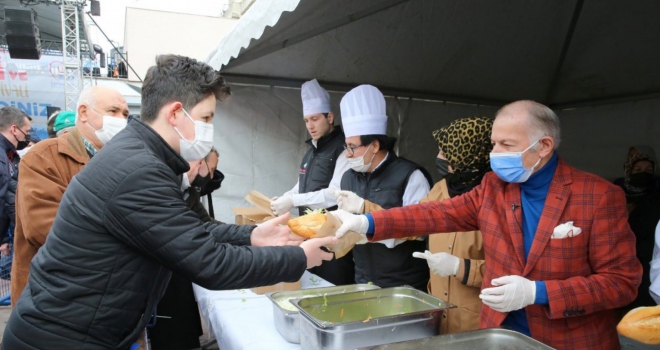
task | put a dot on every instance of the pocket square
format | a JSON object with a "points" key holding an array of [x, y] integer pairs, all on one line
{"points": [[565, 230]]}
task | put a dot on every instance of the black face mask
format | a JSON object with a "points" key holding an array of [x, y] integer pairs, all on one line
{"points": [[641, 180], [200, 181], [214, 184], [22, 144], [443, 167]]}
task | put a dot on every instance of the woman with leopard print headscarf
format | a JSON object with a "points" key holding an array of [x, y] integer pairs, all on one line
{"points": [[457, 260]]}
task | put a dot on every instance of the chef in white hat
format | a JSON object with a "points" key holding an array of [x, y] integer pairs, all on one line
{"points": [[321, 170], [387, 181]]}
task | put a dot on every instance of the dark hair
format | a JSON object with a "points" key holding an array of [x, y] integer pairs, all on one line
{"points": [[386, 142], [179, 78], [12, 116]]}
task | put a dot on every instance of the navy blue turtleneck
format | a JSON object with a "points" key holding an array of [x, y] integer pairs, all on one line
{"points": [[533, 193]]}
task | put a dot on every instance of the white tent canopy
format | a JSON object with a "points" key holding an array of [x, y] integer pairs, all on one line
{"points": [[438, 60]]}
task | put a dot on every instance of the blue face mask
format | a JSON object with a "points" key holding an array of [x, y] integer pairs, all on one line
{"points": [[509, 165]]}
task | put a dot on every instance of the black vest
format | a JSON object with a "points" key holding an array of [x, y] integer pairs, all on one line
{"points": [[318, 164], [375, 262]]}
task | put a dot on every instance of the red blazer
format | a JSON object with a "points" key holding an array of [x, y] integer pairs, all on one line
{"points": [[587, 276]]}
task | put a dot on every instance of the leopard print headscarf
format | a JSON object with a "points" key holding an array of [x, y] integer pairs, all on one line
{"points": [[466, 144]]}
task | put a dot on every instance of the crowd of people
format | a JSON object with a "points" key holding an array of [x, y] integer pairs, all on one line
{"points": [[108, 229]]}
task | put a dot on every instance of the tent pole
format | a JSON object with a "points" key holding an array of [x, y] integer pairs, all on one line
{"points": [[606, 101], [241, 79], [552, 89]]}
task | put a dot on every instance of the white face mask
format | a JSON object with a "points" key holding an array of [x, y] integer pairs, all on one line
{"points": [[357, 163], [21, 152], [201, 145], [111, 127]]}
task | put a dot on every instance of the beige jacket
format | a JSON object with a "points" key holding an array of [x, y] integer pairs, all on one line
{"points": [[465, 245], [44, 174]]}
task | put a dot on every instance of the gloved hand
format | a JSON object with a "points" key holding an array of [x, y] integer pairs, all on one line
{"points": [[350, 222], [349, 201], [509, 294], [282, 205], [442, 264]]}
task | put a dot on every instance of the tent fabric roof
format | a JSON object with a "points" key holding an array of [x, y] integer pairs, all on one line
{"points": [[561, 53]]}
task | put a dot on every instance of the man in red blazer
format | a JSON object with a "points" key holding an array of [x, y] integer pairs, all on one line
{"points": [[560, 256]]}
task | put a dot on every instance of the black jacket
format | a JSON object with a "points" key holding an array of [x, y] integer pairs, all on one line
{"points": [[318, 164], [10, 197], [121, 227], [5, 184], [376, 263]]}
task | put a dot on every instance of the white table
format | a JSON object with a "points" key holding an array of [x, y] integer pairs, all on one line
{"points": [[242, 320]]}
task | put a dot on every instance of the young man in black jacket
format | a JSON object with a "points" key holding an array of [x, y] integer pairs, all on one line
{"points": [[320, 173], [14, 136], [123, 227]]}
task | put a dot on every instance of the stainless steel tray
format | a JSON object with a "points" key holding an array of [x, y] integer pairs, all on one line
{"points": [[491, 339], [287, 319], [368, 318]]}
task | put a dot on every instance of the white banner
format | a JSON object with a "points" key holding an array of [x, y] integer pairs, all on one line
{"points": [[32, 85]]}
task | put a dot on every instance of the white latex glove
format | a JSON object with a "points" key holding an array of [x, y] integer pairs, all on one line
{"points": [[350, 222], [349, 201], [282, 205], [509, 294], [442, 264]]}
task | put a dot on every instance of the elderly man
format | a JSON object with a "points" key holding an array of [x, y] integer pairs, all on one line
{"points": [[123, 228], [48, 168], [560, 256], [14, 136], [199, 175], [64, 122]]}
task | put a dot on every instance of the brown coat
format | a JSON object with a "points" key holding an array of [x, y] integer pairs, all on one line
{"points": [[465, 245], [44, 174]]}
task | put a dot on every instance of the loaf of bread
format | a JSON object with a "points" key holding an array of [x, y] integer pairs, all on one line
{"points": [[307, 225], [642, 324]]}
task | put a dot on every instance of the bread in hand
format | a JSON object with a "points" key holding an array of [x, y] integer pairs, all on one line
{"points": [[307, 225], [642, 324]]}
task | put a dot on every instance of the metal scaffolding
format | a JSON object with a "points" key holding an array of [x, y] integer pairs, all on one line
{"points": [[75, 78]]}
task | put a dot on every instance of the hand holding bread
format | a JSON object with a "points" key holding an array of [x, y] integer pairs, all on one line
{"points": [[317, 224], [307, 225]]}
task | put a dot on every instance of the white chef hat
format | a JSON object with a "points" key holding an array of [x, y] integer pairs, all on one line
{"points": [[363, 112], [314, 98]]}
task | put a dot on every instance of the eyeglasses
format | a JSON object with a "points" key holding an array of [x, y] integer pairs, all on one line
{"points": [[351, 149]]}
